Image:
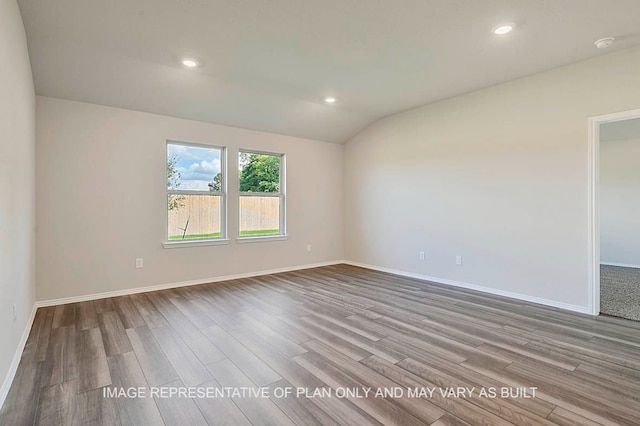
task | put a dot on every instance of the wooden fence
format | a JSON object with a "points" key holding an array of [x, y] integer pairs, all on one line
{"points": [[203, 214], [258, 213]]}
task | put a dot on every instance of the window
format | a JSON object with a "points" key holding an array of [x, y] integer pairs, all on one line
{"points": [[262, 199], [196, 192]]}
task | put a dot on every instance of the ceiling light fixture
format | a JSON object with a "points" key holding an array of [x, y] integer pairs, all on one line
{"points": [[603, 43], [330, 100], [502, 29], [189, 63]]}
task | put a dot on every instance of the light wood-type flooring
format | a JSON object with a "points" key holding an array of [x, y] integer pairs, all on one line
{"points": [[328, 329]]}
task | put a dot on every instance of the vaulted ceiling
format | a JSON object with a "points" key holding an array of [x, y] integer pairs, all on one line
{"points": [[269, 64]]}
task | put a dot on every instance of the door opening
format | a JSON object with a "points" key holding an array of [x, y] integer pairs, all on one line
{"points": [[612, 248]]}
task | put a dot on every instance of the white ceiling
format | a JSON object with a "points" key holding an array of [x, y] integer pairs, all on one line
{"points": [[268, 64]]}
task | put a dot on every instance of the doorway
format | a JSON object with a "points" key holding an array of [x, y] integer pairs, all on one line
{"points": [[614, 224]]}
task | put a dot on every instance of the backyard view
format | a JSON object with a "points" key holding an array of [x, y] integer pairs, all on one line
{"points": [[196, 193], [259, 185]]}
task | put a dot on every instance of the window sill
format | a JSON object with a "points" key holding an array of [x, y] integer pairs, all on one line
{"points": [[262, 239], [194, 243]]}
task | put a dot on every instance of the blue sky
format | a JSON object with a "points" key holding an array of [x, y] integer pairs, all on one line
{"points": [[197, 166]]}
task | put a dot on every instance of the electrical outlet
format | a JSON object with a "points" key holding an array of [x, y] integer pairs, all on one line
{"points": [[308, 248], [458, 260], [421, 255], [15, 313], [139, 263]]}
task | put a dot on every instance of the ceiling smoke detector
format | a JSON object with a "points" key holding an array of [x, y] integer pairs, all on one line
{"points": [[603, 43]]}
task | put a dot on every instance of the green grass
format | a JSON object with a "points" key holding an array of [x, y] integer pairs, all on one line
{"points": [[255, 233], [259, 232], [194, 236]]}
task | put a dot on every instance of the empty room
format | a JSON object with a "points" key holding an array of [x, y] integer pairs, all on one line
{"points": [[252, 212]]}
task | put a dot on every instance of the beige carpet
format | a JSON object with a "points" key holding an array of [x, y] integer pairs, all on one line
{"points": [[620, 292]]}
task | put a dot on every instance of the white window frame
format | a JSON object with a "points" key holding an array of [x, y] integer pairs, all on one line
{"points": [[281, 195], [223, 238]]}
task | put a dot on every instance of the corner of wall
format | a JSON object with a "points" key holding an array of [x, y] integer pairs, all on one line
{"points": [[17, 190]]}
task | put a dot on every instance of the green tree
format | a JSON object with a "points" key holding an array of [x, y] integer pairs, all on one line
{"points": [[173, 182], [260, 173], [216, 185]]}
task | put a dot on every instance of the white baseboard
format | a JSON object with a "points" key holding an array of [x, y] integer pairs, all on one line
{"points": [[624, 265], [95, 296], [8, 379], [497, 292]]}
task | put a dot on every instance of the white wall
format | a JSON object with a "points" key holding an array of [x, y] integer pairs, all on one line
{"points": [[498, 176], [101, 192], [620, 201], [17, 187]]}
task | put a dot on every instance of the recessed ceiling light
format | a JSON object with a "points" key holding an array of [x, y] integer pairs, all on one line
{"points": [[190, 63], [330, 100], [603, 43], [502, 29]]}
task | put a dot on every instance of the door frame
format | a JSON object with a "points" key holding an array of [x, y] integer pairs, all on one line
{"points": [[594, 201]]}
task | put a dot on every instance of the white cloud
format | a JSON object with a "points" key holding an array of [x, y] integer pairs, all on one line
{"points": [[176, 149], [198, 175], [204, 170], [188, 152], [206, 167], [196, 185], [197, 165]]}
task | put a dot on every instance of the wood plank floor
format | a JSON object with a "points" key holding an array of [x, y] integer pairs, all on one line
{"points": [[325, 330]]}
